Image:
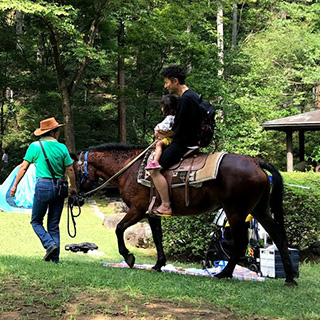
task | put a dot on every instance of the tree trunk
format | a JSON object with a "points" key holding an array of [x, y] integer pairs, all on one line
{"points": [[67, 117], [318, 96], [65, 94], [220, 38], [67, 91], [122, 134], [234, 25]]}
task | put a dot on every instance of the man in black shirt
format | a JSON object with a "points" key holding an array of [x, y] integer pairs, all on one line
{"points": [[186, 128]]}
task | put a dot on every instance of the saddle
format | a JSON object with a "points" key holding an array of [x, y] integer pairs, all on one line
{"points": [[192, 170]]}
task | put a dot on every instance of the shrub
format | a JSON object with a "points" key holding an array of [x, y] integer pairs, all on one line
{"points": [[302, 208], [188, 238]]}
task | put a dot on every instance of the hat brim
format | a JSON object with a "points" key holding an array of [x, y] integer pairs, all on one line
{"points": [[39, 132]]}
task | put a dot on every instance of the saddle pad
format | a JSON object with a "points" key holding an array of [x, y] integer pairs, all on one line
{"points": [[207, 171], [211, 167]]}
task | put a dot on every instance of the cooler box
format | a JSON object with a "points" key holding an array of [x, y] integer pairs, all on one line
{"points": [[271, 262]]}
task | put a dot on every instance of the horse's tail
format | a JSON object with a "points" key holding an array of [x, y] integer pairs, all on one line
{"points": [[276, 197]]}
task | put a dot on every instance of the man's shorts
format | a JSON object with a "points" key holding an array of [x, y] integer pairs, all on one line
{"points": [[172, 155]]}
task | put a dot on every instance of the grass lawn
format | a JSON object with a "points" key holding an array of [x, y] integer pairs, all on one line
{"points": [[81, 288]]}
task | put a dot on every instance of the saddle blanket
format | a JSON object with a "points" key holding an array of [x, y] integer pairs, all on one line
{"points": [[206, 168], [239, 272]]}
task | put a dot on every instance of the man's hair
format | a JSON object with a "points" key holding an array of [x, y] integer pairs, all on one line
{"points": [[49, 132], [174, 72], [169, 104]]}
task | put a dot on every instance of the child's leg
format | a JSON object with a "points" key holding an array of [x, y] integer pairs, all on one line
{"points": [[158, 152]]}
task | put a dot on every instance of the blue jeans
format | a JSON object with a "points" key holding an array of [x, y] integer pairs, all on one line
{"points": [[46, 199]]}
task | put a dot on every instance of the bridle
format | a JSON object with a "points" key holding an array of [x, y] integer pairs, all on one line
{"points": [[84, 171]]}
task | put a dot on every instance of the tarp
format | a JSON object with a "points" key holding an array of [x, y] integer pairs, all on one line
{"points": [[239, 272], [23, 200]]}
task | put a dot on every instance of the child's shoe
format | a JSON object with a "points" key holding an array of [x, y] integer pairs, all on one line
{"points": [[153, 165]]}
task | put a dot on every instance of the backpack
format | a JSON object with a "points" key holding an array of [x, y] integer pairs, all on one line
{"points": [[208, 123]]}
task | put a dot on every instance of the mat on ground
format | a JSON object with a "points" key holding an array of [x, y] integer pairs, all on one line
{"points": [[239, 272]]}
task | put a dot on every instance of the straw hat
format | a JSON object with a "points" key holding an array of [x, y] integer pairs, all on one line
{"points": [[47, 125]]}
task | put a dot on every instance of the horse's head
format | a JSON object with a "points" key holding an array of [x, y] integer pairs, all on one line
{"points": [[86, 174]]}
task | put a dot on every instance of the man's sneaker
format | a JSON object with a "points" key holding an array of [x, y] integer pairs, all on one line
{"points": [[50, 252], [153, 165]]}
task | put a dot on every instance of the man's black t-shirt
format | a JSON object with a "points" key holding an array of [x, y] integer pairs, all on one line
{"points": [[187, 122]]}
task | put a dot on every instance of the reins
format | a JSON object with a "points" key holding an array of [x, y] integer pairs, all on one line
{"points": [[119, 172], [73, 201]]}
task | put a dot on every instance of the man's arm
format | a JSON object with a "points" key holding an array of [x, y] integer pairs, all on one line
{"points": [[72, 178], [22, 170]]}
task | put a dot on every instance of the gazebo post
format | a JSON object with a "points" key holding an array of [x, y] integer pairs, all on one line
{"points": [[289, 151], [301, 145]]}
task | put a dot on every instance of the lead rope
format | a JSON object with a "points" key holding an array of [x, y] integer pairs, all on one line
{"points": [[73, 201]]}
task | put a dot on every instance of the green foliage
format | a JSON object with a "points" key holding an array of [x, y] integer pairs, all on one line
{"points": [[272, 73], [188, 238], [302, 208]]}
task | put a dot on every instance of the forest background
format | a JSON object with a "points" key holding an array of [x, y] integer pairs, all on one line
{"points": [[95, 65]]}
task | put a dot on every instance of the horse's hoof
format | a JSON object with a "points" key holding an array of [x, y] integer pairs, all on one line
{"points": [[290, 283], [130, 259], [221, 275], [156, 268]]}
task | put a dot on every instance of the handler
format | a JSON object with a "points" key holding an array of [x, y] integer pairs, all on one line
{"points": [[46, 196], [186, 128]]}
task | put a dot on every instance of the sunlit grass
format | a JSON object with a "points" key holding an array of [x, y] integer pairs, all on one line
{"points": [[21, 260]]}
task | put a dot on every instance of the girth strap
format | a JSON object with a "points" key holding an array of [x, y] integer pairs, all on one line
{"points": [[186, 190]]}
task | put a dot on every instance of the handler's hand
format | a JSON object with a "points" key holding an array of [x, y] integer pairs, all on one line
{"points": [[13, 191]]}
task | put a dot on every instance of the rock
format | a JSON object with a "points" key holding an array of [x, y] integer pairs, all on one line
{"points": [[118, 206], [138, 235], [111, 221]]}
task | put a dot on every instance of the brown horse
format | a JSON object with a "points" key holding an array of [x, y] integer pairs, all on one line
{"points": [[241, 186]]}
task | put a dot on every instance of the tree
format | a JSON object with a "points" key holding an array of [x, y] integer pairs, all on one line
{"points": [[61, 22]]}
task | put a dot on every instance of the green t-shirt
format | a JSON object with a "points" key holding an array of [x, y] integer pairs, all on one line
{"points": [[57, 154]]}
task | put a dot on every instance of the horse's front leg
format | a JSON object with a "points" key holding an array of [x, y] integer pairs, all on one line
{"points": [[155, 224], [132, 217], [239, 232]]}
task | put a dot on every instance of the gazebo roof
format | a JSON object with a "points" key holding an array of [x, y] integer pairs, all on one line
{"points": [[304, 121]]}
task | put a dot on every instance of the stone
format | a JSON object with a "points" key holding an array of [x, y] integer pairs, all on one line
{"points": [[138, 235]]}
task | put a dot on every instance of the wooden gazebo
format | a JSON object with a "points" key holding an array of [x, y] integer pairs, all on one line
{"points": [[308, 121]]}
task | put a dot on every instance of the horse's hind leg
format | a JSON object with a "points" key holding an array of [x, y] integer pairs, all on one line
{"points": [[239, 232], [132, 217], [155, 224], [278, 235]]}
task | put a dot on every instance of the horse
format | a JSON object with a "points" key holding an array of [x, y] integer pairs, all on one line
{"points": [[242, 186]]}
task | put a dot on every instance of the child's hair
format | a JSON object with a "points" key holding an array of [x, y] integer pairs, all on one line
{"points": [[169, 104]]}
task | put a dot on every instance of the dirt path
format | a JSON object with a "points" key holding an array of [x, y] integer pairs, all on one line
{"points": [[100, 305]]}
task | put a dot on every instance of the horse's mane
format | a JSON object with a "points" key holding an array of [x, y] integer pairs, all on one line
{"points": [[114, 147]]}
